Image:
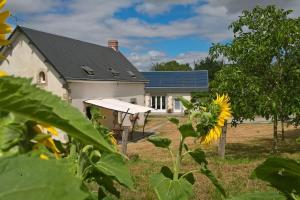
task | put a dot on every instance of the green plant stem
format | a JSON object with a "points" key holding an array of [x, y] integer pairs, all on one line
{"points": [[172, 156], [185, 153], [196, 170], [178, 159]]}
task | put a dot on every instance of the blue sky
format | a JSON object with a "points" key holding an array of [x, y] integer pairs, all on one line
{"points": [[148, 31]]}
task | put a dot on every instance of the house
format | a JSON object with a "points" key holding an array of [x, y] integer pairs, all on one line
{"points": [[72, 69], [164, 88]]}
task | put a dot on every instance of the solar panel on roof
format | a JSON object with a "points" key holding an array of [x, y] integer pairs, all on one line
{"points": [[195, 79]]}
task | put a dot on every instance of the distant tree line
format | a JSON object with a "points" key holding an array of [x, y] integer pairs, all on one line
{"points": [[207, 63]]}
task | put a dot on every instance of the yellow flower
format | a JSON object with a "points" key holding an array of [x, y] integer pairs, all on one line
{"points": [[48, 142], [2, 73], [112, 139], [4, 28], [224, 114], [44, 157]]}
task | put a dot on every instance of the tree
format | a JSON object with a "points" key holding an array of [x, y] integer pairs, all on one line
{"points": [[171, 66], [210, 64], [264, 53]]}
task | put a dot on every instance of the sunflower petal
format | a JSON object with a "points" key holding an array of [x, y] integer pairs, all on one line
{"points": [[5, 28], [2, 3], [4, 15], [3, 73], [44, 157]]}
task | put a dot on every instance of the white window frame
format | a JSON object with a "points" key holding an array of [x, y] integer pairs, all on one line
{"points": [[160, 109]]}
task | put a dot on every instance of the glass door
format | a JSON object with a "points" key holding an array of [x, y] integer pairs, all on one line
{"points": [[177, 105], [158, 103]]}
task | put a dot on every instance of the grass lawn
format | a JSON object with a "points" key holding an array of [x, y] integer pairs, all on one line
{"points": [[247, 146]]}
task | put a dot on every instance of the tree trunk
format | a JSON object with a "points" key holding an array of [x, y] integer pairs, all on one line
{"points": [[282, 130], [124, 139], [222, 143], [275, 135]]}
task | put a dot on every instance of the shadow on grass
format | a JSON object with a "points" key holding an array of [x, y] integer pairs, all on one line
{"points": [[261, 148]]}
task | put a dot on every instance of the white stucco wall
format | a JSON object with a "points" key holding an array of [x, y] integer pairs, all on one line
{"points": [[169, 98], [25, 61], [81, 91]]}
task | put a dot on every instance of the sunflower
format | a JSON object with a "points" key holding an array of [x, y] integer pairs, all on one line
{"points": [[47, 141], [224, 113], [4, 28]]}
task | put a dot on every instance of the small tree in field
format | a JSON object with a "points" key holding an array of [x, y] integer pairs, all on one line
{"points": [[264, 55]]}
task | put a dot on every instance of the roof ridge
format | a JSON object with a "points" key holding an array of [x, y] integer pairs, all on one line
{"points": [[61, 36]]}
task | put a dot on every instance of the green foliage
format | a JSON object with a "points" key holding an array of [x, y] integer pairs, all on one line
{"points": [[213, 179], [173, 120], [113, 165], [168, 189], [259, 196], [173, 183], [23, 177], [187, 104], [242, 89], [100, 168], [171, 66], [159, 141], [93, 157], [265, 70], [282, 174], [19, 97], [210, 64], [187, 130], [199, 156]]}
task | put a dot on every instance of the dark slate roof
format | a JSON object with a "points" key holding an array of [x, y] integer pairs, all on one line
{"points": [[68, 56], [193, 81]]}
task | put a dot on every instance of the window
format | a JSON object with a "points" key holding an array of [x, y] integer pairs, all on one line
{"points": [[177, 105], [42, 78], [133, 101], [88, 70], [158, 102]]}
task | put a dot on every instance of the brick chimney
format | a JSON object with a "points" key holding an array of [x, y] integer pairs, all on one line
{"points": [[114, 44]]}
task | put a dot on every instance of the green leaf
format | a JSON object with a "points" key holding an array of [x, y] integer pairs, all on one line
{"points": [[173, 120], [167, 172], [108, 185], [189, 177], [10, 135], [259, 196], [213, 179], [159, 141], [281, 173], [31, 178], [167, 189], [187, 130], [199, 156], [113, 165], [19, 96], [187, 104]]}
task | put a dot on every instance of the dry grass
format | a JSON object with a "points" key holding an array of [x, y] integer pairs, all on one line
{"points": [[247, 146]]}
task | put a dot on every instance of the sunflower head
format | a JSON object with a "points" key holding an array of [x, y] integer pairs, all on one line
{"points": [[221, 111]]}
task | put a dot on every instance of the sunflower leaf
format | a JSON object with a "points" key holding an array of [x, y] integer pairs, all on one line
{"points": [[20, 97], [187, 130], [159, 141]]}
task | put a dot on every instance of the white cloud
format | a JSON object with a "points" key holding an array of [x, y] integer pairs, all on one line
{"points": [[190, 57], [94, 21], [144, 61], [31, 6], [155, 7]]}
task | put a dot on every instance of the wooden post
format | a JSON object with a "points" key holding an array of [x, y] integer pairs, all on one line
{"points": [[222, 143], [124, 139]]}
